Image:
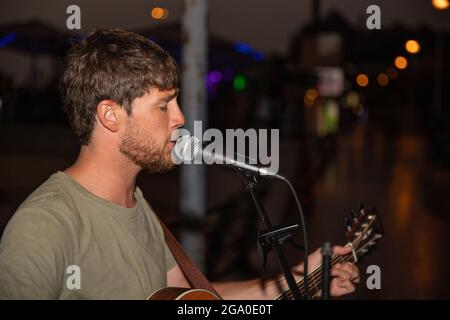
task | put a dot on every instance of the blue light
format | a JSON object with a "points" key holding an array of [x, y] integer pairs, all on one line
{"points": [[10, 37], [258, 56], [243, 48]]}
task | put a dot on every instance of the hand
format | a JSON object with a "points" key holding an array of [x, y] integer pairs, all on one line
{"points": [[345, 275]]}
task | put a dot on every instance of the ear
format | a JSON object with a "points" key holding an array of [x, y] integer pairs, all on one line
{"points": [[110, 114]]}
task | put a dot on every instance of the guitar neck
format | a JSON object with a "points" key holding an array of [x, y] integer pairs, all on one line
{"points": [[314, 280]]}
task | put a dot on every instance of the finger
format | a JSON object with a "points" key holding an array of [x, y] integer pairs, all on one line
{"points": [[339, 250], [352, 269], [339, 288], [341, 274], [347, 285]]}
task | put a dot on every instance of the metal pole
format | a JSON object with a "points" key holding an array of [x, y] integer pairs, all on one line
{"points": [[194, 105]]}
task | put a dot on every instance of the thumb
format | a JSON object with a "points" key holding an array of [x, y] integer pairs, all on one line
{"points": [[339, 250]]}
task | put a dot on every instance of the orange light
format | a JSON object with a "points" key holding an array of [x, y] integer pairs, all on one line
{"points": [[308, 103], [392, 73], [401, 62], [412, 46], [159, 13], [362, 80], [383, 79], [440, 4], [311, 94]]}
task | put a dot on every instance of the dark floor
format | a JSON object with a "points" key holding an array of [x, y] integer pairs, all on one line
{"points": [[389, 171]]}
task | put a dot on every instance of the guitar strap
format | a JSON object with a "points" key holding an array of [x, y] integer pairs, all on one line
{"points": [[193, 275]]}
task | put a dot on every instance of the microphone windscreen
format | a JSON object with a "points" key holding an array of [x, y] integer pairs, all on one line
{"points": [[186, 149]]}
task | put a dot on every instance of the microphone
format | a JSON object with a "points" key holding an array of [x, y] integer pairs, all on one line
{"points": [[188, 149]]}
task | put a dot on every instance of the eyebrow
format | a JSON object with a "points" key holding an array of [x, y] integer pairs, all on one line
{"points": [[174, 95]]}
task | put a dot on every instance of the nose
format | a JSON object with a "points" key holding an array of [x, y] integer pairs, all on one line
{"points": [[178, 118]]}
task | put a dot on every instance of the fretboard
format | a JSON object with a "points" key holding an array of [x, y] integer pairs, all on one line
{"points": [[314, 280]]}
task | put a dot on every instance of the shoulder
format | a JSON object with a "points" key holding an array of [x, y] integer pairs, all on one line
{"points": [[44, 214], [36, 245]]}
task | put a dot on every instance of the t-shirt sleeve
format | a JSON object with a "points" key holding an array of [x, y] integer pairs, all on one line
{"points": [[32, 255]]}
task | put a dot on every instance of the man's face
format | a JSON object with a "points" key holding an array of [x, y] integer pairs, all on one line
{"points": [[148, 133]]}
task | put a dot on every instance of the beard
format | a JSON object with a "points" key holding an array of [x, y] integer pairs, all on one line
{"points": [[143, 150]]}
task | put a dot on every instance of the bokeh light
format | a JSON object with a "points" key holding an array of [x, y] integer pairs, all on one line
{"points": [[352, 99], [239, 82], [311, 94], [159, 13], [412, 46], [440, 4], [383, 79], [400, 62], [362, 80]]}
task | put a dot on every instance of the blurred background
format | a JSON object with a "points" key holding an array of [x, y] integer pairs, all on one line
{"points": [[363, 116]]}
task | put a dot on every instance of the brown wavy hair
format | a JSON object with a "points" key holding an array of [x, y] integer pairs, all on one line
{"points": [[112, 64]]}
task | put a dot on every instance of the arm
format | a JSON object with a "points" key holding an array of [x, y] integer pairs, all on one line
{"points": [[344, 277], [265, 289]]}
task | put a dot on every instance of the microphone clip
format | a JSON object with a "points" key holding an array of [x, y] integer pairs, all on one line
{"points": [[278, 235]]}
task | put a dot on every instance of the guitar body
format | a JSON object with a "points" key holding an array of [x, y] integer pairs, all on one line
{"points": [[183, 294]]}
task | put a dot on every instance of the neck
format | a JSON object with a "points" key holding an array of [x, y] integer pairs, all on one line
{"points": [[314, 280], [108, 175]]}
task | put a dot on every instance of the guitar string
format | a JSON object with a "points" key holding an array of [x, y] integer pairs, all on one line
{"points": [[316, 274]]}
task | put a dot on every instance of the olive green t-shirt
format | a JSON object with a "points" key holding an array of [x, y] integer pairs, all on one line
{"points": [[64, 242]]}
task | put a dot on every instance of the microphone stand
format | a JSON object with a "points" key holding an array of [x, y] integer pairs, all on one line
{"points": [[326, 270], [272, 236]]}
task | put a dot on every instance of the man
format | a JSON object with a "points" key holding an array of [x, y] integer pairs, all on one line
{"points": [[87, 232]]}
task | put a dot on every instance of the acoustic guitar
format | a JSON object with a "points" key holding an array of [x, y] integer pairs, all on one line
{"points": [[364, 229]]}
